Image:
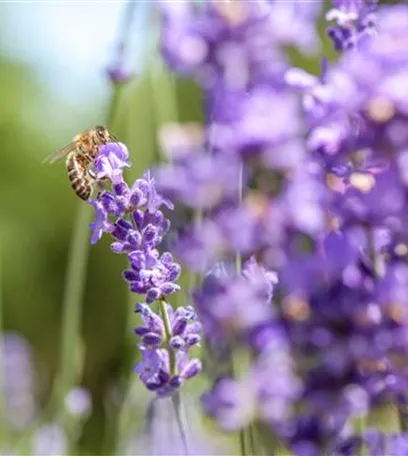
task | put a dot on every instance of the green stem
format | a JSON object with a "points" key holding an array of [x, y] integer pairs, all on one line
{"points": [[242, 446], [252, 439], [177, 410], [72, 302], [360, 426], [193, 277], [173, 371], [402, 421], [168, 335]]}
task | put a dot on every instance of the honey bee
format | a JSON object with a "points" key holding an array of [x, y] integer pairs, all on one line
{"points": [[81, 154]]}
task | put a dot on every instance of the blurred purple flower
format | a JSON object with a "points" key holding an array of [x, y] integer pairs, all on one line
{"points": [[266, 392], [237, 307], [200, 180], [254, 128], [50, 440], [379, 443], [78, 402], [294, 23], [18, 376], [223, 44], [371, 200], [324, 213]]}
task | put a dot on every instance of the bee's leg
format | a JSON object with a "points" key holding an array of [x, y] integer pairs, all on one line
{"points": [[92, 174], [94, 177], [86, 159]]}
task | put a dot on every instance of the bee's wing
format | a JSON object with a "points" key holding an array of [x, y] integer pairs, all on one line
{"points": [[60, 153]]}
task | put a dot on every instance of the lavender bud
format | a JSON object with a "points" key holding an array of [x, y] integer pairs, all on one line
{"points": [[157, 218], [193, 339], [135, 198], [192, 369], [120, 189], [125, 224], [137, 260], [163, 376], [134, 238], [179, 326], [176, 381], [153, 384], [190, 312], [152, 295], [167, 258], [149, 234], [174, 272], [142, 308], [109, 203], [138, 217], [118, 247], [130, 275], [137, 287], [120, 232], [177, 342], [152, 340], [141, 330], [168, 288]]}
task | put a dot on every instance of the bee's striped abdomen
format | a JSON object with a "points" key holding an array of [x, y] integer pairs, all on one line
{"points": [[78, 177]]}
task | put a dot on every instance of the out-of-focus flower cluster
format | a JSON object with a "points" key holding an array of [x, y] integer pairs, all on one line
{"points": [[20, 390], [133, 217], [316, 194], [238, 309]]}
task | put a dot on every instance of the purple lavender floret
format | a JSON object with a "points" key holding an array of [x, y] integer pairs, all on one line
{"points": [[134, 219], [354, 20]]}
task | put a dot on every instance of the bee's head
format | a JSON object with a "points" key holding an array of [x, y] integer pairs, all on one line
{"points": [[102, 134]]}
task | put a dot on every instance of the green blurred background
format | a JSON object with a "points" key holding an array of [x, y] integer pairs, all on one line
{"points": [[52, 85]]}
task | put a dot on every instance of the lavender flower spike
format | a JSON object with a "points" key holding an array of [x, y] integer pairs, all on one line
{"points": [[133, 217]]}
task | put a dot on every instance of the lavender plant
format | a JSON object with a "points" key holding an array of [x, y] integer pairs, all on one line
{"points": [[132, 216]]}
